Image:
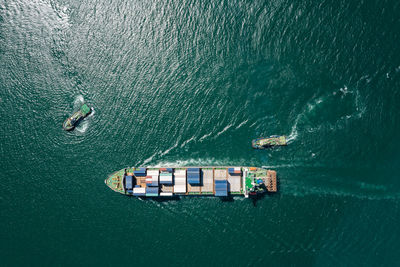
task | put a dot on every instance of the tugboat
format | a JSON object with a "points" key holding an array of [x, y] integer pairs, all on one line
{"points": [[70, 123], [267, 142]]}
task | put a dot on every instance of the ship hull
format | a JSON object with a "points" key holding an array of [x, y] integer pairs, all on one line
{"points": [[170, 182]]}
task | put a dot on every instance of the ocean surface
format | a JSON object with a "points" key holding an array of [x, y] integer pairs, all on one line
{"points": [[191, 83]]}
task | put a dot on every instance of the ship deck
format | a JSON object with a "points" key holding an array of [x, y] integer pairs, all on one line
{"points": [[240, 182]]}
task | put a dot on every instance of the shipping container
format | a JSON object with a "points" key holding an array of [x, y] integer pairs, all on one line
{"points": [[152, 172], [180, 181], [151, 191], [193, 178], [208, 181], [220, 174], [154, 183], [166, 179], [221, 188], [139, 191], [128, 182], [180, 189], [193, 174]]}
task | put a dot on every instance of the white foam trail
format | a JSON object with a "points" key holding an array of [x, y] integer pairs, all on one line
{"points": [[307, 109], [190, 162], [369, 186], [83, 126], [241, 124], [299, 191], [223, 130], [78, 102], [294, 133], [148, 159], [187, 141], [359, 106], [310, 107], [169, 149], [205, 136], [161, 153], [345, 90], [92, 113]]}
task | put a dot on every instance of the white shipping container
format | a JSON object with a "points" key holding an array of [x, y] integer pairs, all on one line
{"points": [[179, 188], [139, 190], [152, 172]]}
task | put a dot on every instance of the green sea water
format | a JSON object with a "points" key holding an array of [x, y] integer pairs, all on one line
{"points": [[191, 83]]}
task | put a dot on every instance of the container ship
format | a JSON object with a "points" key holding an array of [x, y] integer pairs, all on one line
{"points": [[193, 181]]}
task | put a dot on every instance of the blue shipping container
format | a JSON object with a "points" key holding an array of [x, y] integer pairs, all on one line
{"points": [[154, 183], [194, 180], [140, 173], [166, 182], [221, 182], [221, 193], [193, 175], [128, 182], [221, 188], [151, 190]]}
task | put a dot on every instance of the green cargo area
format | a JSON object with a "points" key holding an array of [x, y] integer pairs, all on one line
{"points": [[85, 110]]}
